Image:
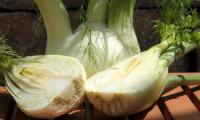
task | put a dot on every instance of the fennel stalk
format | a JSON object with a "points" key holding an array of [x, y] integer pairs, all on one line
{"points": [[105, 37]]}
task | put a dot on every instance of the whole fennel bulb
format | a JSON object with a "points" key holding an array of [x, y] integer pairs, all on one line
{"points": [[46, 86], [105, 37]]}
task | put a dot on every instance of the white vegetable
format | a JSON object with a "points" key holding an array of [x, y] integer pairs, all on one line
{"points": [[136, 83], [46, 86], [104, 38], [129, 86]]}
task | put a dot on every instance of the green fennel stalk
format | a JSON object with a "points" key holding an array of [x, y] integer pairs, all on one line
{"points": [[177, 79], [120, 20], [97, 11], [105, 37], [57, 23]]}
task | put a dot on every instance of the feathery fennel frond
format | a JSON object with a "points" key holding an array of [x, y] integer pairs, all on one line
{"points": [[177, 18], [6, 50], [178, 21], [178, 26], [6, 55], [90, 50]]}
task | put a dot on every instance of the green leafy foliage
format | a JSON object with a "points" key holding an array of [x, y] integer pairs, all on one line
{"points": [[179, 23], [6, 55]]}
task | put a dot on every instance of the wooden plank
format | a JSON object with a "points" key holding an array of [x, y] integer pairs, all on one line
{"points": [[164, 110], [196, 90], [154, 114], [3, 90], [192, 97], [182, 108]]}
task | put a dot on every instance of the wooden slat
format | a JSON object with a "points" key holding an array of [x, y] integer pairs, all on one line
{"points": [[181, 107], [164, 110], [192, 97], [3, 90], [154, 114], [196, 91], [141, 115], [173, 94]]}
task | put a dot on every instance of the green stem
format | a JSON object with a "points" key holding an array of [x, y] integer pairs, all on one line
{"points": [[120, 20], [6, 63], [170, 52], [173, 53], [97, 11], [57, 23], [177, 79], [5, 68], [121, 14]]}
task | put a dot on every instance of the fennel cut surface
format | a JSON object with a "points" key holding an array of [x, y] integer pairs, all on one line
{"points": [[46, 86], [130, 86]]}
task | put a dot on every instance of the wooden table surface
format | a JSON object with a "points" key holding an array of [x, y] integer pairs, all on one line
{"points": [[181, 103]]}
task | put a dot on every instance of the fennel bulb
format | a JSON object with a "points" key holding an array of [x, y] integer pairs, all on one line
{"points": [[129, 86], [136, 83], [105, 37], [46, 86]]}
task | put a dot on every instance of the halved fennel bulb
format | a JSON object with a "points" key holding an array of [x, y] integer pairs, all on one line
{"points": [[136, 83], [46, 86], [129, 86]]}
